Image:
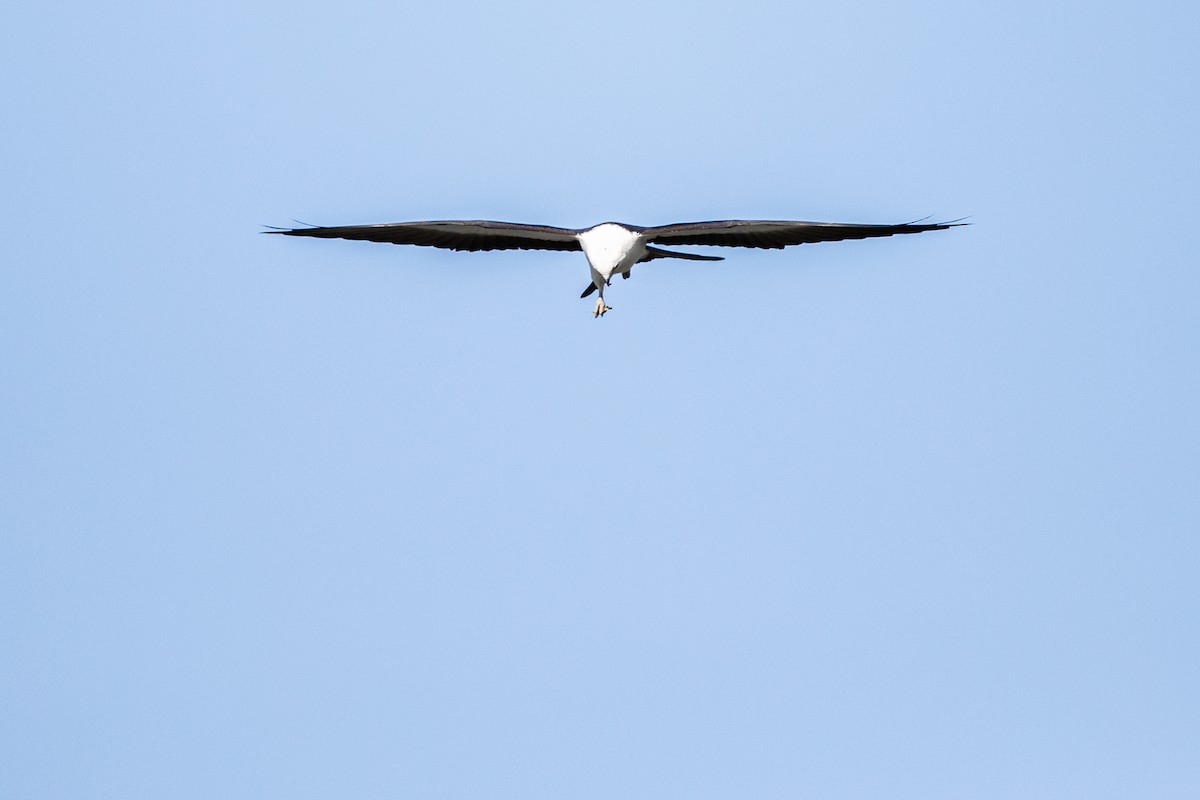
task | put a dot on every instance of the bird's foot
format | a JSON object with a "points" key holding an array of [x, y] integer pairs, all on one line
{"points": [[601, 308]]}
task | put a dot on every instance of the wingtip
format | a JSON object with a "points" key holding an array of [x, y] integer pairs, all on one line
{"points": [[951, 223], [304, 226]]}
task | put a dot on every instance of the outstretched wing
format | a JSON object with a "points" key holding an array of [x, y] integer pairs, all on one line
{"points": [[778, 234], [452, 235]]}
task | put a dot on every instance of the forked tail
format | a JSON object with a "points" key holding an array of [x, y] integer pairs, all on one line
{"points": [[657, 252]]}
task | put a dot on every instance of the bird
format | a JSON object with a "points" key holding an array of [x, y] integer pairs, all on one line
{"points": [[612, 248]]}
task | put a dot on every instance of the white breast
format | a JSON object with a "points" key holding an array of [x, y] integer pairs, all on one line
{"points": [[611, 248]]}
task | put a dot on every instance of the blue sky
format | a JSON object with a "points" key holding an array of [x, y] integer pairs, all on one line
{"points": [[905, 518]]}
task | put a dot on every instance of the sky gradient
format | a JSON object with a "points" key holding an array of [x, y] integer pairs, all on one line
{"points": [[905, 518]]}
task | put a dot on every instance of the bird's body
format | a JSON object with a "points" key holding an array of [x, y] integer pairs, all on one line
{"points": [[611, 248]]}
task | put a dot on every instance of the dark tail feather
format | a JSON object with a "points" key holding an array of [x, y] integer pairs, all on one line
{"points": [[657, 252], [590, 288]]}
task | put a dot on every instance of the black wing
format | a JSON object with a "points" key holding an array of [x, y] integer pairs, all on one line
{"points": [[452, 235], [776, 235]]}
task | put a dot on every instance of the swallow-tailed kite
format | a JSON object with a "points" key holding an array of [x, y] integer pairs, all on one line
{"points": [[611, 247]]}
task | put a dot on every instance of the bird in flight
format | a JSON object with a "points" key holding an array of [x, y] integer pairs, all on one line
{"points": [[611, 248]]}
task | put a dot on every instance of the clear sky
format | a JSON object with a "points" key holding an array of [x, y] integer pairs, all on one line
{"points": [[906, 518]]}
